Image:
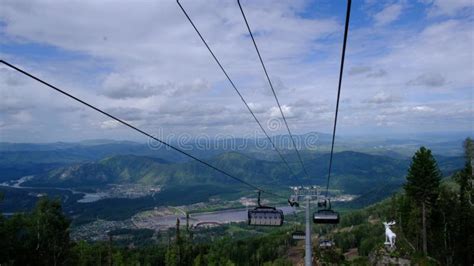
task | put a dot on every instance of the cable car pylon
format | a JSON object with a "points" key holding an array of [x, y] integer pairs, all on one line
{"points": [[306, 194]]}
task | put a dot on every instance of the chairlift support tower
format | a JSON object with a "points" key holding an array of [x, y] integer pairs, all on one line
{"points": [[306, 194]]}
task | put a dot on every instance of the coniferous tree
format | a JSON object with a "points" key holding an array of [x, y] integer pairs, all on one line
{"points": [[445, 222], [37, 238], [4, 245], [464, 178], [422, 186], [51, 229]]}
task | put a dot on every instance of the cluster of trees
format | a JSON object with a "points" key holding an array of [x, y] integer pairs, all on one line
{"points": [[41, 237], [362, 229], [436, 218], [262, 250]]}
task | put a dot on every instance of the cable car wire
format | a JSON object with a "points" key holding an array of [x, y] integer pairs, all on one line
{"points": [[136, 129], [273, 90], [235, 87], [341, 70]]}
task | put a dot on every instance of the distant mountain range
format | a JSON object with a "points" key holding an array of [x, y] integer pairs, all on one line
{"points": [[101, 162], [353, 172], [373, 173]]}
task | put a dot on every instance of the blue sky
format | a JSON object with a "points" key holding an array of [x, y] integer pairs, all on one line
{"points": [[409, 67]]}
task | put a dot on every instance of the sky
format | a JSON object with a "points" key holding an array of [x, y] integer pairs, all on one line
{"points": [[409, 67]]}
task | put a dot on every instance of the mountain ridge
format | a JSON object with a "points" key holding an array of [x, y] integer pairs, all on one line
{"points": [[353, 172]]}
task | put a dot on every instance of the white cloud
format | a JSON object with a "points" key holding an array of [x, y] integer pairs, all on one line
{"points": [[383, 98], [377, 73], [422, 108], [383, 121], [120, 87], [257, 108], [441, 53], [152, 55], [150, 67], [22, 117], [359, 70], [287, 111], [428, 79], [449, 7], [388, 15], [109, 124]]}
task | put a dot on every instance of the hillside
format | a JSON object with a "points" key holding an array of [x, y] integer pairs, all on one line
{"points": [[20, 159], [353, 172], [115, 169]]}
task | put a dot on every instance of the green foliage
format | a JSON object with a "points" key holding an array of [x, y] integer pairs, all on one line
{"points": [[83, 253], [423, 177], [449, 222], [423, 186], [331, 256], [353, 171], [464, 240], [447, 218], [123, 208], [360, 261], [41, 236], [51, 229]]}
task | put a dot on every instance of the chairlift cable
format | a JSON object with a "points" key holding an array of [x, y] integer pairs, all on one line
{"points": [[273, 90], [341, 70], [235, 88], [135, 128]]}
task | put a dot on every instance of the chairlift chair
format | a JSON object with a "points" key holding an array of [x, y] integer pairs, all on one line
{"points": [[326, 215], [324, 244], [298, 235], [265, 215], [322, 204], [293, 201]]}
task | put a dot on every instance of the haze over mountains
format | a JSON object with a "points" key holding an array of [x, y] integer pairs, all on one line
{"points": [[351, 171], [372, 169], [358, 164]]}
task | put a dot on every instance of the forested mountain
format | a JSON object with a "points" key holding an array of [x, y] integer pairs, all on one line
{"points": [[354, 172], [442, 237], [20, 159], [358, 239]]}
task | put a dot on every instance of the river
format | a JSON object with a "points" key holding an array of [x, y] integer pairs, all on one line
{"points": [[86, 198]]}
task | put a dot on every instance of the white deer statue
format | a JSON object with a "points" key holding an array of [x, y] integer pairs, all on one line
{"points": [[389, 235]]}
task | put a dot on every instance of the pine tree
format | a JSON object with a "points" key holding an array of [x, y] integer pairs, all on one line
{"points": [[50, 230], [422, 186], [464, 178]]}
